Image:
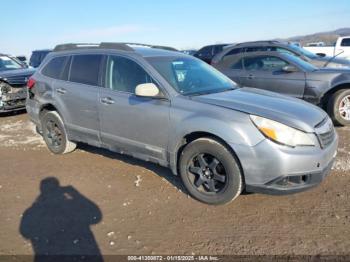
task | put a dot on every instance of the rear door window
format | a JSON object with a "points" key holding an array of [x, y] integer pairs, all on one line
{"points": [[238, 65], [345, 42], [54, 68], [232, 53], [85, 69], [264, 63]]}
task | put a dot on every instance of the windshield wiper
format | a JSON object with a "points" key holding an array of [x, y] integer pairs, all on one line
{"points": [[210, 92]]}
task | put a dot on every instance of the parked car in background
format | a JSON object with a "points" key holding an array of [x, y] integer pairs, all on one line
{"points": [[341, 48], [38, 56], [189, 51], [287, 74], [13, 79], [316, 44], [208, 52], [220, 139], [283, 47], [23, 59], [17, 60]]}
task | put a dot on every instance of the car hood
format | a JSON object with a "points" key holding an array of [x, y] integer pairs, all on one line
{"points": [[17, 72], [17, 76], [289, 111]]}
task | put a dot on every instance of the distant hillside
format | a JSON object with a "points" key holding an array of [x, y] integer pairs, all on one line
{"points": [[328, 37]]}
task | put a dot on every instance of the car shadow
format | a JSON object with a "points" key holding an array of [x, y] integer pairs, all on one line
{"points": [[157, 169], [58, 224]]}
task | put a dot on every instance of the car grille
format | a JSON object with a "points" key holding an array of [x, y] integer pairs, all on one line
{"points": [[325, 133], [327, 138]]}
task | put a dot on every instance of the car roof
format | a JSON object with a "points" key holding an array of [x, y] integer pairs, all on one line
{"points": [[130, 48], [265, 53]]}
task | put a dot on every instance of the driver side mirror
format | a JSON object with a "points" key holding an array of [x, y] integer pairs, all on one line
{"points": [[290, 69], [147, 90]]}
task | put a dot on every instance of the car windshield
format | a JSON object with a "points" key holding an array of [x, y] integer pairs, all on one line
{"points": [[300, 62], [190, 76], [6, 63], [303, 51]]}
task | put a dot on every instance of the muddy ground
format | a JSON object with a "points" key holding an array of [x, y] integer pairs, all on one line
{"points": [[114, 204]]}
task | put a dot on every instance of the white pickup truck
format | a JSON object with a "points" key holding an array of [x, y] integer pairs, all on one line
{"points": [[341, 48]]}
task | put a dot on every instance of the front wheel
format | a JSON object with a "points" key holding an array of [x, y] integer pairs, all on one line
{"points": [[55, 135], [210, 172], [339, 107]]}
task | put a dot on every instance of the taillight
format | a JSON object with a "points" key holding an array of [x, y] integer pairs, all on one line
{"points": [[30, 83]]}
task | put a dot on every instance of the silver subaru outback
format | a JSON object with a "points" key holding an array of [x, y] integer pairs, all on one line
{"points": [[175, 110]]}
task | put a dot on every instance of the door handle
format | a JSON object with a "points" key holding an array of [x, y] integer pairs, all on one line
{"points": [[107, 101], [61, 91], [251, 76]]}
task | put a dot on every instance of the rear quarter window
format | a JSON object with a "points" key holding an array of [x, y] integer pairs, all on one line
{"points": [[55, 67], [85, 69]]}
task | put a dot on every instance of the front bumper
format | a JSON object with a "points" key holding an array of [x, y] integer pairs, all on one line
{"points": [[291, 184], [13, 100], [274, 169]]}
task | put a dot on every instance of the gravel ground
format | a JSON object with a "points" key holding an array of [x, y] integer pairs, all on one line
{"points": [[100, 202]]}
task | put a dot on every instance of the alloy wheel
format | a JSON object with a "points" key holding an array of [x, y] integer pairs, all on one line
{"points": [[207, 174], [54, 134], [344, 108]]}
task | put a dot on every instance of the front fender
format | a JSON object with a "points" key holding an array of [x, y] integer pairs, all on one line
{"points": [[235, 128]]}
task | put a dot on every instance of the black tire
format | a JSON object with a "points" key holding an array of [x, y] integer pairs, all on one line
{"points": [[55, 135], [225, 189], [334, 104]]}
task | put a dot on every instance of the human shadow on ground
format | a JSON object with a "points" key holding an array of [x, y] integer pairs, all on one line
{"points": [[58, 224]]}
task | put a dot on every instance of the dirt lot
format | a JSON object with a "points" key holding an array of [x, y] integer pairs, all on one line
{"points": [[114, 204]]}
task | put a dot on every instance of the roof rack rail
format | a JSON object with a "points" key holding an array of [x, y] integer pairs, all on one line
{"points": [[261, 41], [103, 45]]}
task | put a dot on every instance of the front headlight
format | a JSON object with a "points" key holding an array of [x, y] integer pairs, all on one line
{"points": [[281, 133]]}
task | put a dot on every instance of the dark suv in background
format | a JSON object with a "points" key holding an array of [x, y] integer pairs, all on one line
{"points": [[282, 47], [38, 56], [207, 53]]}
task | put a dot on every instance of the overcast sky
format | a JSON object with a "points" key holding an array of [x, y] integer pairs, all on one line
{"points": [[37, 24]]}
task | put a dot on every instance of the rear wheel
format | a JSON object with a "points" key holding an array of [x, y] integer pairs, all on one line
{"points": [[210, 172], [55, 135], [339, 107]]}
